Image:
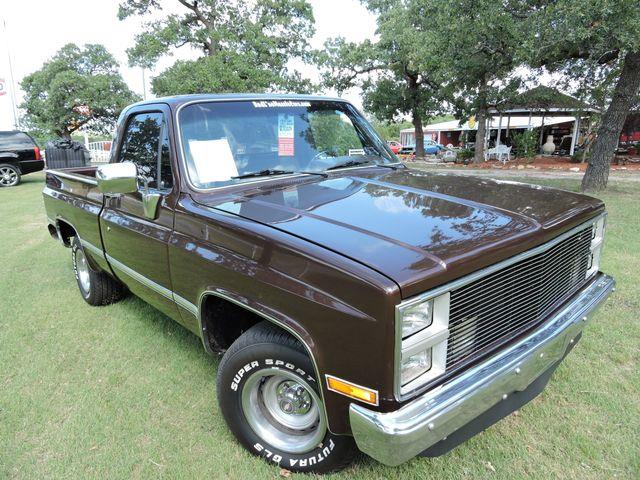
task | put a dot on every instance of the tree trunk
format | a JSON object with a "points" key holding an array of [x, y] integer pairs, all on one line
{"points": [[416, 116], [597, 174], [419, 133], [63, 133], [481, 120]]}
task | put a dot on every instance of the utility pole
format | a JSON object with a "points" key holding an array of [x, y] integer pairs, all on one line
{"points": [[144, 85], [11, 78]]}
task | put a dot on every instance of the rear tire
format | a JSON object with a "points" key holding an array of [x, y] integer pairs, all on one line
{"points": [[96, 287], [269, 396], [9, 175]]}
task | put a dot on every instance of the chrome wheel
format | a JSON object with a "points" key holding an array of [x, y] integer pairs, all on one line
{"points": [[8, 176], [82, 271], [284, 410]]}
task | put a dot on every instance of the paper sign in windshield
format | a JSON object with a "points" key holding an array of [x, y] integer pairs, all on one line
{"points": [[213, 160], [285, 135]]}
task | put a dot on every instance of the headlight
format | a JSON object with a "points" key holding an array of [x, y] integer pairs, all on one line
{"points": [[422, 329], [415, 365], [597, 241], [416, 318]]}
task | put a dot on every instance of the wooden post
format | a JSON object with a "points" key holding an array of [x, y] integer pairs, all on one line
{"points": [[541, 142], [574, 137], [499, 130]]}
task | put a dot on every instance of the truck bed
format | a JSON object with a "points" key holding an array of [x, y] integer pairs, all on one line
{"points": [[73, 203]]}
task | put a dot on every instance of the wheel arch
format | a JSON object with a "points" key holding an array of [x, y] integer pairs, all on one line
{"points": [[66, 231], [208, 325], [212, 328]]}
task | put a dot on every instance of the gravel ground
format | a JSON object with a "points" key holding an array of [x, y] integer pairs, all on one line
{"points": [[632, 176]]}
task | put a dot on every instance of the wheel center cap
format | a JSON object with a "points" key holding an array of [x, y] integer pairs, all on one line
{"points": [[293, 399], [286, 406]]}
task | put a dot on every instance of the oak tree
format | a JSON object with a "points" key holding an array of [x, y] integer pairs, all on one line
{"points": [[587, 40], [79, 86], [245, 45], [396, 77]]}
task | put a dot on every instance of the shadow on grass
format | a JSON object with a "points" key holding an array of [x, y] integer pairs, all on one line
{"points": [[30, 179], [182, 340]]}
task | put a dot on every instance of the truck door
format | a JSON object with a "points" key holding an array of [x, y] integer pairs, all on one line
{"points": [[135, 232]]}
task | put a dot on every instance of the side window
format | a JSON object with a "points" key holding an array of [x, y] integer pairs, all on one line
{"points": [[146, 143]]}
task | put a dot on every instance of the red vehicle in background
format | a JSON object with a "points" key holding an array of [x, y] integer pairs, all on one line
{"points": [[394, 146]]}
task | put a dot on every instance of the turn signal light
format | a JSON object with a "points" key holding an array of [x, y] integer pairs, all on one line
{"points": [[352, 390]]}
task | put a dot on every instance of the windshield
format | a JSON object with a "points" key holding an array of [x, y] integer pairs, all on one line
{"points": [[222, 141]]}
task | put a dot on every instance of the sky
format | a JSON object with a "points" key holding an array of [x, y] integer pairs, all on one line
{"points": [[31, 31]]}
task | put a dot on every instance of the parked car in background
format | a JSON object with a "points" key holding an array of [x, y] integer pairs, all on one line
{"points": [[19, 155], [359, 303], [394, 146], [431, 147]]}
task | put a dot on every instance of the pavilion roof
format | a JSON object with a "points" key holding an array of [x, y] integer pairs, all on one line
{"points": [[542, 99]]}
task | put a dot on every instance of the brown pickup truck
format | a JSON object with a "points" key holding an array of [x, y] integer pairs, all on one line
{"points": [[359, 303]]}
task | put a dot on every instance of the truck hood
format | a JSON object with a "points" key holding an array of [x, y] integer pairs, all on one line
{"points": [[419, 229]]}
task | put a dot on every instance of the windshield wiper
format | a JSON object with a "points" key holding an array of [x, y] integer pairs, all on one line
{"points": [[322, 174], [272, 171], [263, 173], [350, 163], [385, 165]]}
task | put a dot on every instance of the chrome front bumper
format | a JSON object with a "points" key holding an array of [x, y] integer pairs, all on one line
{"points": [[395, 437]]}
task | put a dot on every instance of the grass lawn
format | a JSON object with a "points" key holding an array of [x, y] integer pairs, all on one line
{"points": [[124, 392]]}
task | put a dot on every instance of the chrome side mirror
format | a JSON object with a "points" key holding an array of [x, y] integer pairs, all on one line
{"points": [[116, 178]]}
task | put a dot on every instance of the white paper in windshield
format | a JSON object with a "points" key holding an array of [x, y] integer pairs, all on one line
{"points": [[213, 160]]}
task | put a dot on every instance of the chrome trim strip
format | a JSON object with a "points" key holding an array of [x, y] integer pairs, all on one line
{"points": [[73, 176], [92, 248], [395, 437], [165, 292], [435, 292], [270, 319], [186, 304], [182, 156]]}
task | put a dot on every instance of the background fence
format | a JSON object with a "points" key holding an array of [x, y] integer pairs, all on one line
{"points": [[100, 151]]}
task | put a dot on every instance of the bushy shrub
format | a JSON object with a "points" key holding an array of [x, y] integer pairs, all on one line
{"points": [[525, 144], [464, 156]]}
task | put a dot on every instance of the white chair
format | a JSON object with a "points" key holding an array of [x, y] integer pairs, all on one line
{"points": [[500, 152], [488, 153], [503, 153]]}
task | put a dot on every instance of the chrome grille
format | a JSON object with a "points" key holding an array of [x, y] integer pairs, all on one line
{"points": [[497, 307]]}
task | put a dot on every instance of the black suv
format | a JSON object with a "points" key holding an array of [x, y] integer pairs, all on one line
{"points": [[19, 155]]}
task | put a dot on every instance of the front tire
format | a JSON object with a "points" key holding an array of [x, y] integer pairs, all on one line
{"points": [[269, 396], [96, 287], [9, 175]]}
